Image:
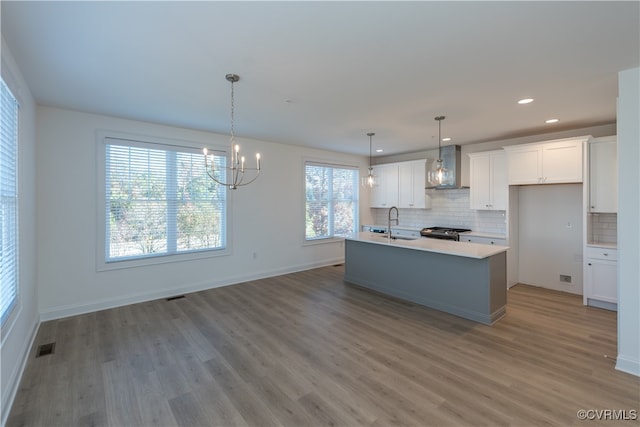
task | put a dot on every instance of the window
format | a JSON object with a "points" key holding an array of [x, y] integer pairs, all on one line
{"points": [[331, 201], [159, 201], [8, 202]]}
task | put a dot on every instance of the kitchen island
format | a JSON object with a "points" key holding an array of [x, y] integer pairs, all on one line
{"points": [[465, 279]]}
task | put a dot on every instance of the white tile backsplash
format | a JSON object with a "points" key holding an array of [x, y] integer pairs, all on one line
{"points": [[604, 228], [449, 208]]}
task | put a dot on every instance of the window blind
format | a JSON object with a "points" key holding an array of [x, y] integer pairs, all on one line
{"points": [[8, 202], [331, 200], [160, 201]]}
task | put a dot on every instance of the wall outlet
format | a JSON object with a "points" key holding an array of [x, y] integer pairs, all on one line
{"points": [[565, 279]]}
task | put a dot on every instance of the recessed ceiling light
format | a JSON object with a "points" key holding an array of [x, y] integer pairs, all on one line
{"points": [[446, 139], [379, 150], [525, 101], [552, 121]]}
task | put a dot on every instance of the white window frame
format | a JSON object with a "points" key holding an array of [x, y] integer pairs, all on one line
{"points": [[12, 310], [102, 139], [329, 164]]}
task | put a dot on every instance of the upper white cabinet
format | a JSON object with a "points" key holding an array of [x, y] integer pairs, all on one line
{"points": [[552, 162], [603, 175], [488, 178], [411, 184], [384, 193], [400, 184]]}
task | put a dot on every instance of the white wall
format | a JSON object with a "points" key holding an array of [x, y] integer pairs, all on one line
{"points": [[267, 219], [22, 325], [550, 236], [628, 223]]}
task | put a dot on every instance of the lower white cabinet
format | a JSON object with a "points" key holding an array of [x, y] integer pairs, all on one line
{"points": [[483, 240], [600, 277], [402, 232]]}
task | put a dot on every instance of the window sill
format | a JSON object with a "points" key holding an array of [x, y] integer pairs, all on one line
{"points": [[161, 259], [323, 241]]}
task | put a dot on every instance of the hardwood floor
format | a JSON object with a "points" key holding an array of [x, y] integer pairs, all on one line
{"points": [[306, 349]]}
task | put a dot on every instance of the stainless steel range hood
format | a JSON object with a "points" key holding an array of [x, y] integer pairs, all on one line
{"points": [[452, 160]]}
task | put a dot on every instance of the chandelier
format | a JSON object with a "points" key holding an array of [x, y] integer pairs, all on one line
{"points": [[370, 179], [236, 172], [438, 174]]}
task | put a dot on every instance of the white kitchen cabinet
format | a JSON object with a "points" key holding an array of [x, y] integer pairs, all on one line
{"points": [[552, 162], [488, 177], [523, 164], [600, 277], [384, 193], [411, 185], [483, 240], [603, 175], [400, 184]]}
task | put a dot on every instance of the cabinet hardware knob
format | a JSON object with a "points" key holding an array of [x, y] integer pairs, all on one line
{"points": [[605, 254], [589, 264]]}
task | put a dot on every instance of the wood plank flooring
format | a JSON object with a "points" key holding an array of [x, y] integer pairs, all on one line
{"points": [[306, 349]]}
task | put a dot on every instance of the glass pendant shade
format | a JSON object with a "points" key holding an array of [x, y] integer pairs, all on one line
{"points": [[369, 180], [438, 174]]}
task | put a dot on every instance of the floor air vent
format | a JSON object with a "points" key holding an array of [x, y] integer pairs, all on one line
{"points": [[46, 349], [174, 298]]}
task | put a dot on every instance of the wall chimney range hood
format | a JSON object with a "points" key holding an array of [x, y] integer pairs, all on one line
{"points": [[451, 158]]}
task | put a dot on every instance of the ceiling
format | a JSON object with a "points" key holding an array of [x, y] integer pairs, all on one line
{"points": [[323, 74]]}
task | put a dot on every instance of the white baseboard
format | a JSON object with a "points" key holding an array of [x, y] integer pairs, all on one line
{"points": [[73, 310], [16, 376], [629, 366]]}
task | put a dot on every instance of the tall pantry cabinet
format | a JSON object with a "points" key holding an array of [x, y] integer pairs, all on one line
{"points": [[600, 228]]}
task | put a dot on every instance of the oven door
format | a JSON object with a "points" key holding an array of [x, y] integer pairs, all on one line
{"points": [[453, 237]]}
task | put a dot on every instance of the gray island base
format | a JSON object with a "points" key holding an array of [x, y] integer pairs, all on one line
{"points": [[468, 286]]}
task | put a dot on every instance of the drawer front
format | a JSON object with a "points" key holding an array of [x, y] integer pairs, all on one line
{"points": [[406, 233], [601, 253], [483, 240]]}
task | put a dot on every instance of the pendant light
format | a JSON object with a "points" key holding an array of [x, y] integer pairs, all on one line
{"points": [[370, 179], [236, 172], [438, 174]]}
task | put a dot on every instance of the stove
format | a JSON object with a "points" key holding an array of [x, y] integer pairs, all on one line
{"points": [[443, 233]]}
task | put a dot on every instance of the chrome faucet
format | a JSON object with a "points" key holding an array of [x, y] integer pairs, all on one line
{"points": [[396, 219]]}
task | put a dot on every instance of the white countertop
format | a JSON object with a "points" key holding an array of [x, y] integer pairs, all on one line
{"points": [[603, 245], [448, 247]]}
